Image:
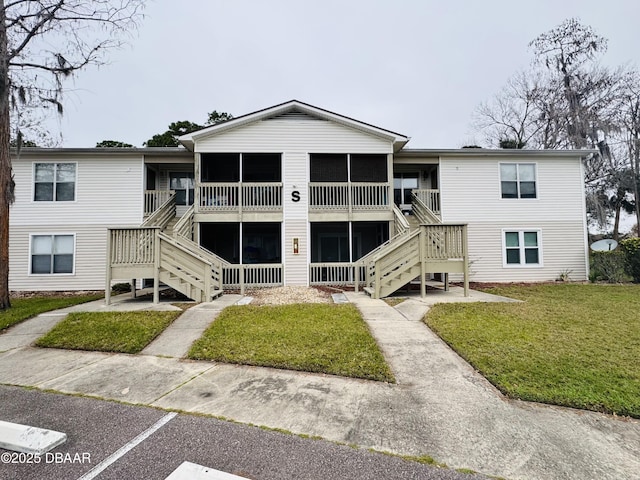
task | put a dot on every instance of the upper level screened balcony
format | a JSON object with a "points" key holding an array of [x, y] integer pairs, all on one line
{"points": [[355, 182], [234, 182], [239, 183]]}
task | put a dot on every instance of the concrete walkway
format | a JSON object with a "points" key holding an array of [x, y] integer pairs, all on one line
{"points": [[439, 407]]}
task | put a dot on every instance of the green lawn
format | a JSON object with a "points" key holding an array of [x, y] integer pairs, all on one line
{"points": [[24, 308], [568, 344], [124, 332], [323, 338]]}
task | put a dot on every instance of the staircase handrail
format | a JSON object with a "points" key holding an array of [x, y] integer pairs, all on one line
{"points": [[185, 224], [401, 224], [163, 215], [422, 212]]}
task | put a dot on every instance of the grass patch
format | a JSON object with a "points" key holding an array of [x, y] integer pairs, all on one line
{"points": [[572, 345], [123, 332], [393, 301], [25, 308], [321, 338]]}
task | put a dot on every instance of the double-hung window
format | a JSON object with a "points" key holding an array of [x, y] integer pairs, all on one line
{"points": [[518, 180], [522, 247], [51, 254], [54, 182]]}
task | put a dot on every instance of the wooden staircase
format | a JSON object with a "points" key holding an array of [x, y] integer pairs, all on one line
{"points": [[157, 249], [427, 246]]}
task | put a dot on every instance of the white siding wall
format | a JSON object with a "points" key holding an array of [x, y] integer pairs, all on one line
{"points": [[294, 135], [108, 193], [295, 139], [470, 193]]}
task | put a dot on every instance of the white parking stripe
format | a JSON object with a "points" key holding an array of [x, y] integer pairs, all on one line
{"points": [[95, 471]]}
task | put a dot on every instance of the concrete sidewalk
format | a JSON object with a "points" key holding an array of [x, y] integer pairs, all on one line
{"points": [[440, 406]]}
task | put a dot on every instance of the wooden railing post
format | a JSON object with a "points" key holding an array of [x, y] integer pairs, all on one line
{"points": [[423, 265], [156, 266], [107, 282], [465, 252], [206, 295], [356, 275]]}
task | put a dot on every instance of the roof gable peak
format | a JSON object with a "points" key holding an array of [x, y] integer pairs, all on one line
{"points": [[293, 109]]}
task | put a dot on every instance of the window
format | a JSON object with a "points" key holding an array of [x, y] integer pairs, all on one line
{"points": [[182, 184], [54, 182], [52, 254], [518, 180], [522, 248]]}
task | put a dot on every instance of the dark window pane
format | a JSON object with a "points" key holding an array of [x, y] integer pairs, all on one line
{"points": [[220, 167], [368, 168], [513, 256], [328, 167], [41, 264], [397, 196], [261, 243], [509, 189], [261, 167], [65, 192], [531, 255], [63, 264], [527, 189], [43, 192], [181, 197]]}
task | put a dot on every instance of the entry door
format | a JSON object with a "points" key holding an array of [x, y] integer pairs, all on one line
{"points": [[403, 183]]}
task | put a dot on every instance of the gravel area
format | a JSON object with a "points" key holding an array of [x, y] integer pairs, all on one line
{"points": [[285, 295]]}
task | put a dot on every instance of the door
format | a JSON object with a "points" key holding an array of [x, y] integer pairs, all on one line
{"points": [[403, 183]]}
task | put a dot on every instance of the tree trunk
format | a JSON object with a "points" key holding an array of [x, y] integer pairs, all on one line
{"points": [[616, 223], [6, 180]]}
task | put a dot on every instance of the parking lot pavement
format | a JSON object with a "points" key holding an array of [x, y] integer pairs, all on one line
{"points": [[148, 443]]}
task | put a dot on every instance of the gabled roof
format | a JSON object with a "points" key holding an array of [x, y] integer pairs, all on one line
{"points": [[294, 106]]}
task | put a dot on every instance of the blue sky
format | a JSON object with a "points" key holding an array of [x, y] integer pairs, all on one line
{"points": [[419, 68]]}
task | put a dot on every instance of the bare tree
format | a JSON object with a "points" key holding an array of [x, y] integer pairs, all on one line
{"points": [[568, 101], [628, 109], [513, 114], [43, 42]]}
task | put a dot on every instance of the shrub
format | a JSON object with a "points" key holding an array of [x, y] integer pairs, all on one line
{"points": [[121, 288], [608, 267], [631, 249]]}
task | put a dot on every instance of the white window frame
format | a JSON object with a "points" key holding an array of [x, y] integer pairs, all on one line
{"points": [[53, 198], [521, 231], [517, 164], [47, 234]]}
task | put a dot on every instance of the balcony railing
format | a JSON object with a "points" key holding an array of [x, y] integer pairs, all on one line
{"points": [[431, 198], [240, 196], [328, 196], [153, 199]]}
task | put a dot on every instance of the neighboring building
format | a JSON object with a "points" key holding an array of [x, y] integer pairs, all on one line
{"points": [[294, 195]]}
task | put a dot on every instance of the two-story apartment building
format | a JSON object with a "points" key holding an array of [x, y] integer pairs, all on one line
{"points": [[294, 195]]}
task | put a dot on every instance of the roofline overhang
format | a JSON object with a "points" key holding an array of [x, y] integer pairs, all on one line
{"points": [[155, 151], [491, 152]]}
